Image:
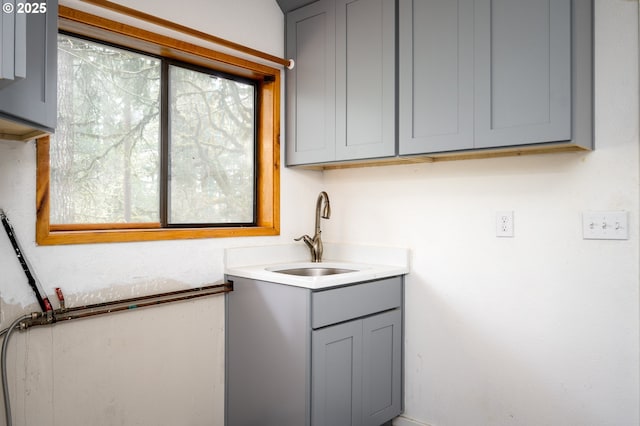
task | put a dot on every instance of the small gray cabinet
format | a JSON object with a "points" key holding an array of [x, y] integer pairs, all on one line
{"points": [[28, 103], [298, 357], [477, 74], [341, 92]]}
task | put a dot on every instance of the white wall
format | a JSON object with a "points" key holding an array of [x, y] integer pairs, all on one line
{"points": [[541, 329]]}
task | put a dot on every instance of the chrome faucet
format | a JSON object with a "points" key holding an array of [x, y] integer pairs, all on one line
{"points": [[315, 243]]}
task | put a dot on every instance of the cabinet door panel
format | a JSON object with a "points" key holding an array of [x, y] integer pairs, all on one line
{"points": [[311, 84], [523, 72], [336, 375], [435, 75], [365, 79], [382, 368]]}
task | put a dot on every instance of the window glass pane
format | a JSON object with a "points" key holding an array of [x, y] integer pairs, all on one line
{"points": [[105, 153], [212, 177]]}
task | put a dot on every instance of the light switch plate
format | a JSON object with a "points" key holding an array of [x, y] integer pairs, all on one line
{"points": [[605, 225]]}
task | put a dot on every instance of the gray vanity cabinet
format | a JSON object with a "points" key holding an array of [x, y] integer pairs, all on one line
{"points": [[477, 74], [341, 92], [28, 103], [298, 357]]}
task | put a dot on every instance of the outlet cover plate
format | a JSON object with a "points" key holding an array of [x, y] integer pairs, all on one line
{"points": [[504, 224]]}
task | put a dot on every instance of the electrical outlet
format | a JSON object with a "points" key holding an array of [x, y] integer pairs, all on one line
{"points": [[504, 224], [605, 225]]}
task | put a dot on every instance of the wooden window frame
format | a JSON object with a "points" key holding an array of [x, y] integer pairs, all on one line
{"points": [[268, 143]]}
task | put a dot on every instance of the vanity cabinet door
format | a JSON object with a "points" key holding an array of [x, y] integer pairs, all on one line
{"points": [[356, 371], [381, 367], [336, 375]]}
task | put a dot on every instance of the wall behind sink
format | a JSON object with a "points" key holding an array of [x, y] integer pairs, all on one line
{"points": [[539, 329]]}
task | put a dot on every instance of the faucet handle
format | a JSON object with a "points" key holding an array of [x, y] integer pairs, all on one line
{"points": [[307, 239]]}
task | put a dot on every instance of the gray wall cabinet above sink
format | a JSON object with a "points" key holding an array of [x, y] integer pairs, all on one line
{"points": [[493, 74], [341, 94], [28, 103], [474, 78]]}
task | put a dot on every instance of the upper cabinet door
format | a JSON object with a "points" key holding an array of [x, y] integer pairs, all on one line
{"points": [[365, 79], [311, 84], [522, 72], [435, 75]]}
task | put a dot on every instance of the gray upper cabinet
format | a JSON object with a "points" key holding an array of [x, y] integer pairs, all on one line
{"points": [[28, 103], [341, 92], [494, 74]]}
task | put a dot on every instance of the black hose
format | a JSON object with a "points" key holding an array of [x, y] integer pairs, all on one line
{"points": [[43, 301]]}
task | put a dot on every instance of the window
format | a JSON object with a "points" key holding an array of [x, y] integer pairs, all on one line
{"points": [[150, 146]]}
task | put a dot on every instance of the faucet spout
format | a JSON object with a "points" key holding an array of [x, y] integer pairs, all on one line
{"points": [[326, 212], [315, 243]]}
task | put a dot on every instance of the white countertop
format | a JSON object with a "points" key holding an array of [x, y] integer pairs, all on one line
{"points": [[367, 262]]}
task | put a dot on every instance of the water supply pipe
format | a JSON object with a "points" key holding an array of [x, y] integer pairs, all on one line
{"points": [[66, 314]]}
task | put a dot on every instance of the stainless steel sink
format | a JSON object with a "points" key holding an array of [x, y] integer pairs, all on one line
{"points": [[314, 271]]}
